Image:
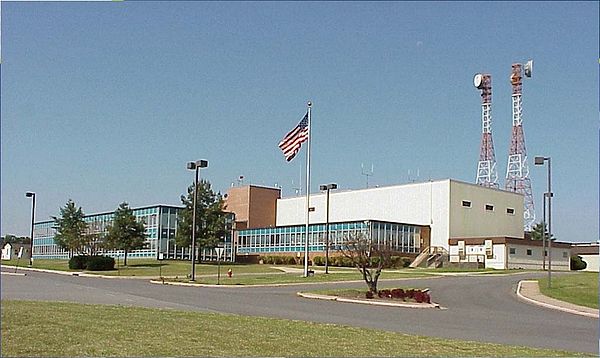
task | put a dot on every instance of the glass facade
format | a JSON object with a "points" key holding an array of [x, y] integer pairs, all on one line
{"points": [[402, 237], [160, 224]]}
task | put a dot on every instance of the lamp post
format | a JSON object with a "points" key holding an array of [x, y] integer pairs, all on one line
{"points": [[195, 166], [327, 187], [31, 194], [549, 195]]}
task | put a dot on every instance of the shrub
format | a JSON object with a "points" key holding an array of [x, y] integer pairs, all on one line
{"points": [[406, 261], [398, 293], [384, 294], [369, 294], [319, 260], [290, 260], [78, 262], [577, 263], [100, 263]]}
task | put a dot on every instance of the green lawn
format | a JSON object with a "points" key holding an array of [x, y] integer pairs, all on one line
{"points": [[580, 288], [176, 270], [68, 329]]}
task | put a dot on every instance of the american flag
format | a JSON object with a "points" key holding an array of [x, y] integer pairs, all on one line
{"points": [[290, 144]]}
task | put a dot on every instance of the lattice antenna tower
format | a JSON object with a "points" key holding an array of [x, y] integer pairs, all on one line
{"points": [[517, 171], [487, 174]]}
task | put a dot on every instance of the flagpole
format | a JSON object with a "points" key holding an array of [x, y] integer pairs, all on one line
{"points": [[307, 194]]}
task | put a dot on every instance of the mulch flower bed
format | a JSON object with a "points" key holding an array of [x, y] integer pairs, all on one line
{"points": [[399, 294]]}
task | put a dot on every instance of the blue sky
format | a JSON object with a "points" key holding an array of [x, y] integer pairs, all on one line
{"points": [[106, 102]]}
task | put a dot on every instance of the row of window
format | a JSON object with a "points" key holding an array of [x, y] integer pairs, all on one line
{"points": [[529, 252], [487, 207]]}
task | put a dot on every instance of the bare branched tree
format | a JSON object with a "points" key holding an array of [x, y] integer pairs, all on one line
{"points": [[368, 257]]}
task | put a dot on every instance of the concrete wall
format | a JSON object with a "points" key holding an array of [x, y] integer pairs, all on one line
{"points": [[417, 203], [476, 221]]}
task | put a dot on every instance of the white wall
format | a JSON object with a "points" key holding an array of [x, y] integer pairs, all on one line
{"points": [[424, 204], [592, 262], [520, 259]]}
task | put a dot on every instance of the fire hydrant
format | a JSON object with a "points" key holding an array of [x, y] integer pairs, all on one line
{"points": [[229, 273]]}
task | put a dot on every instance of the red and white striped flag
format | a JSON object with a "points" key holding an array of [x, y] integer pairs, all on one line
{"points": [[291, 143]]}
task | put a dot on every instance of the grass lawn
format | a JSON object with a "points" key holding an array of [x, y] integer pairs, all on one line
{"points": [[176, 270], [282, 278], [68, 329], [580, 288]]}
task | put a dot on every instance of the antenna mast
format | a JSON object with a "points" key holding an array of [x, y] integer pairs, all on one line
{"points": [[487, 174], [366, 173], [517, 171]]}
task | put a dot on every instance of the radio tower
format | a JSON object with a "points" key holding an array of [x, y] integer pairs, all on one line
{"points": [[487, 175], [517, 171]]}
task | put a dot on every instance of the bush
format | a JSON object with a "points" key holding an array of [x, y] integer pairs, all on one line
{"points": [[78, 262], [290, 260], [577, 263], [319, 260], [100, 263]]}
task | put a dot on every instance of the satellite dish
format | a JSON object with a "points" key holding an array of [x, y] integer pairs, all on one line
{"points": [[528, 68], [478, 81]]}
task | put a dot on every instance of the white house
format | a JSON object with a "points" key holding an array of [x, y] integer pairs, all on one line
{"points": [[589, 253], [11, 251]]}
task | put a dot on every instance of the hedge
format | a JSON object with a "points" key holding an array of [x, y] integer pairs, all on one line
{"points": [[577, 263], [92, 263]]}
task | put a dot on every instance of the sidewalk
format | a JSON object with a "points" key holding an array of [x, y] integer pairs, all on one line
{"points": [[529, 291]]}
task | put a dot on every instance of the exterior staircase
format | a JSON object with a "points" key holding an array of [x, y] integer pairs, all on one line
{"points": [[431, 256]]}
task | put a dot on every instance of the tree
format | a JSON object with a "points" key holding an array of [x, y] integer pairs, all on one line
{"points": [[368, 257], [125, 233], [13, 239], [210, 217], [71, 229], [538, 229]]}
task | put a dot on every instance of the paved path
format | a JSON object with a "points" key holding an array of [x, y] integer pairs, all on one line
{"points": [[482, 309], [529, 290]]}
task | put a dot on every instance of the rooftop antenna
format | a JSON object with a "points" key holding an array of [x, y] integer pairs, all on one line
{"points": [[366, 172], [241, 180], [298, 191]]}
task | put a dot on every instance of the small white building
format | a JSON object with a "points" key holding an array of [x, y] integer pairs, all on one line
{"points": [[11, 251], [589, 252], [509, 253], [452, 209]]}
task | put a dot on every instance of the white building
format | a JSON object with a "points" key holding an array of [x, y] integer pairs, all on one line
{"points": [[509, 253], [452, 209], [589, 253]]}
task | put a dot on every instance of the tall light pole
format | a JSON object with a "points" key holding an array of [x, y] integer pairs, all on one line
{"points": [[31, 194], [549, 195], [327, 187], [195, 166]]}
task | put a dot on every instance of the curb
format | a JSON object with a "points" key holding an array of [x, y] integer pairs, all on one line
{"points": [[374, 303], [13, 273], [548, 305]]}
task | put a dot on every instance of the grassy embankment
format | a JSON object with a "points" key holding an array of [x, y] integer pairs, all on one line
{"points": [[67, 329], [580, 288]]}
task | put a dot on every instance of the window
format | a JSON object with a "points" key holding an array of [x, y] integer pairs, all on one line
{"points": [[528, 252], [512, 251], [510, 211], [489, 207], [466, 203], [565, 254]]}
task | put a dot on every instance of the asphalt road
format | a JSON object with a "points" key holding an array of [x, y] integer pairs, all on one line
{"points": [[482, 309]]}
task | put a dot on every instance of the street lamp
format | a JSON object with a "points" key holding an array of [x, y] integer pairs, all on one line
{"points": [[195, 166], [549, 195], [31, 194], [327, 187]]}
